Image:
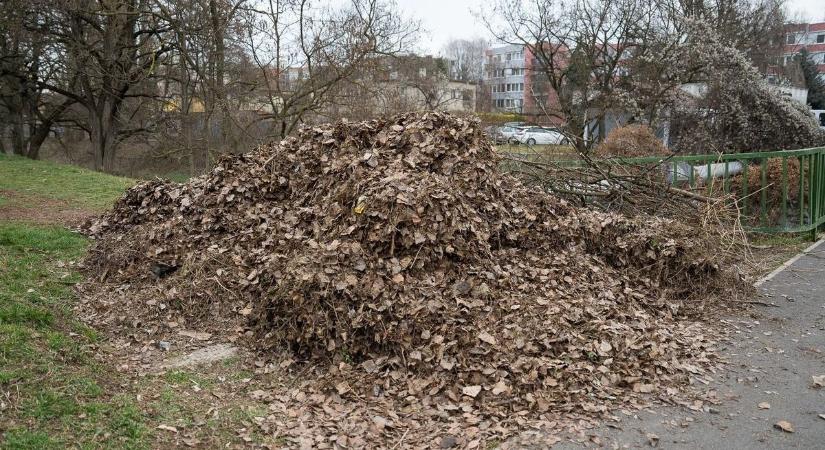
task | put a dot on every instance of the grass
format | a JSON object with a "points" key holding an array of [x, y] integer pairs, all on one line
{"points": [[57, 388], [54, 391], [545, 151], [177, 176], [80, 188]]}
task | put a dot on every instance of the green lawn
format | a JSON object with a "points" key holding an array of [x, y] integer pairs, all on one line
{"points": [[545, 152], [54, 393], [81, 188], [53, 387]]}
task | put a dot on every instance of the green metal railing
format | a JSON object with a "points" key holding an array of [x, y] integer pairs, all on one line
{"points": [[787, 195]]}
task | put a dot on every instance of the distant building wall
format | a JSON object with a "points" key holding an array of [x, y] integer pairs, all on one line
{"points": [[504, 79], [810, 36]]}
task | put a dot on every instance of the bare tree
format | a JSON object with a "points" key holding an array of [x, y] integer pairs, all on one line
{"points": [[112, 50], [305, 53], [575, 54], [26, 66], [587, 58], [203, 72], [467, 58], [415, 83]]}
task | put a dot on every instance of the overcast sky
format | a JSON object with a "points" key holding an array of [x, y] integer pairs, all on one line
{"points": [[447, 19]]}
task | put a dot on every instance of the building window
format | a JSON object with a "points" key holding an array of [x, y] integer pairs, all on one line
{"points": [[422, 72], [791, 39], [820, 38]]}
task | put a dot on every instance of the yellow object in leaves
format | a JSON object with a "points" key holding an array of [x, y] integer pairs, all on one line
{"points": [[361, 205]]}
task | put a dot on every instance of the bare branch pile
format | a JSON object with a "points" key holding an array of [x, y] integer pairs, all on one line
{"points": [[394, 257]]}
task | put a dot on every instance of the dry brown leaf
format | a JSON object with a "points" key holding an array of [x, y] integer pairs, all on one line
{"points": [[399, 262], [818, 381], [500, 388], [764, 405], [471, 391], [487, 337], [784, 425], [380, 422], [167, 428]]}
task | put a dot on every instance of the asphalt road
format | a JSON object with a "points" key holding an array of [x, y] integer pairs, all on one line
{"points": [[774, 352]]}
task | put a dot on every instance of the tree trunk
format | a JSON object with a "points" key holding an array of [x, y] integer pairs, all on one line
{"points": [[36, 140], [38, 132], [18, 139], [103, 135]]}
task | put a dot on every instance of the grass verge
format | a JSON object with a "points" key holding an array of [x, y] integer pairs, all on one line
{"points": [[54, 393], [80, 188]]}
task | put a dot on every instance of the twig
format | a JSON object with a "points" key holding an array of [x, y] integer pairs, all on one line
{"points": [[402, 439], [756, 302]]}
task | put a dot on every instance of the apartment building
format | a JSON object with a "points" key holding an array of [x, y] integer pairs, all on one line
{"points": [[810, 36], [504, 79]]}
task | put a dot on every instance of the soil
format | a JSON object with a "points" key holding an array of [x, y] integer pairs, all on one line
{"points": [[36, 209]]}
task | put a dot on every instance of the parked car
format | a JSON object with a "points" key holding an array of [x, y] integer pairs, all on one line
{"points": [[539, 135], [506, 135]]}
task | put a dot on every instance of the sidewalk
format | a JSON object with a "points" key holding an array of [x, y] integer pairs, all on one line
{"points": [[773, 354]]}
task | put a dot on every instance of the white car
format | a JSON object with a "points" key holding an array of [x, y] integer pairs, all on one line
{"points": [[506, 135], [538, 135]]}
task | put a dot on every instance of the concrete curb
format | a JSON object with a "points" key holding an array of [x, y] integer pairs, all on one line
{"points": [[787, 263]]}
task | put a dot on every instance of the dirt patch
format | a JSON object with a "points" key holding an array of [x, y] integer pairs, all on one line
{"points": [[36, 209], [202, 356], [419, 294]]}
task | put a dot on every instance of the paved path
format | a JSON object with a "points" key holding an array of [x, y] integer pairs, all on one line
{"points": [[773, 355]]}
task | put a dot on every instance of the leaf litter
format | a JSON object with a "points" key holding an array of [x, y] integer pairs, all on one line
{"points": [[421, 294]]}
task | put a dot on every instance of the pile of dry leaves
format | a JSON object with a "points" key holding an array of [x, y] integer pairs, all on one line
{"points": [[394, 259]]}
